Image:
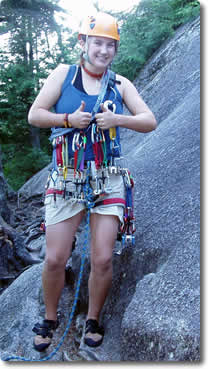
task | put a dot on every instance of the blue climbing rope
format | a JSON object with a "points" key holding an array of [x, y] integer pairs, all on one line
{"points": [[89, 204]]}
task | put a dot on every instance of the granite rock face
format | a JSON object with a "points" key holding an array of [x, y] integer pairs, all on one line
{"points": [[162, 320]]}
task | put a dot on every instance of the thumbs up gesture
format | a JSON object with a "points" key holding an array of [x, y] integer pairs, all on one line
{"points": [[82, 106], [80, 119], [106, 119]]}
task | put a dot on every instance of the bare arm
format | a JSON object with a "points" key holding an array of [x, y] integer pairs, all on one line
{"points": [[142, 118], [40, 114]]}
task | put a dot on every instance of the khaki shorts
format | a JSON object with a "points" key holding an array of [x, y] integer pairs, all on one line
{"points": [[58, 208]]}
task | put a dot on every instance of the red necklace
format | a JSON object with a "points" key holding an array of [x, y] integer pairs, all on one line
{"points": [[93, 75]]}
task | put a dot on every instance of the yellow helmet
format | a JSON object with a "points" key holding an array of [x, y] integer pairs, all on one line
{"points": [[102, 24]]}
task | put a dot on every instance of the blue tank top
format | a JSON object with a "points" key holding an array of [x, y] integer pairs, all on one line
{"points": [[70, 100]]}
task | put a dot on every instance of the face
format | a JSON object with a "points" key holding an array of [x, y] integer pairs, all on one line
{"points": [[101, 51]]}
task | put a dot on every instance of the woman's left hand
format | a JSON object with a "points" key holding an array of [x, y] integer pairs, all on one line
{"points": [[106, 119]]}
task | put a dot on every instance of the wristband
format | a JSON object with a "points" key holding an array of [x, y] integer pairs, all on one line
{"points": [[67, 124]]}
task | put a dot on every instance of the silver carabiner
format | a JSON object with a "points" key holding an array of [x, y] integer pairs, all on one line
{"points": [[75, 141], [93, 133]]}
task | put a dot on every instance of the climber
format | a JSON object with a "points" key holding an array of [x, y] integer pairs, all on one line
{"points": [[85, 137]]}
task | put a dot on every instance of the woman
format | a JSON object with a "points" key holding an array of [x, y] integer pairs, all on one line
{"points": [[85, 137]]}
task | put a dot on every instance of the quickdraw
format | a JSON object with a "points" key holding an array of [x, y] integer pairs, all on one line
{"points": [[113, 146], [59, 142], [128, 228], [65, 157], [60, 161], [99, 147], [79, 147]]}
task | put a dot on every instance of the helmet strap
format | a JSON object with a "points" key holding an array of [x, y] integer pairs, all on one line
{"points": [[85, 54]]}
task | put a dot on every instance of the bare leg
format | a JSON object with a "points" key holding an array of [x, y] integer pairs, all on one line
{"points": [[104, 232], [59, 239]]}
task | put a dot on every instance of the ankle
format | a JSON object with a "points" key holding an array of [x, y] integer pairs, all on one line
{"points": [[51, 316], [93, 317]]}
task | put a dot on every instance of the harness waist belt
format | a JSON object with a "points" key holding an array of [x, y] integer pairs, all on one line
{"points": [[52, 191], [114, 200]]}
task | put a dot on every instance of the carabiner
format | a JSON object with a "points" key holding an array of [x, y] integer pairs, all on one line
{"points": [[75, 141], [93, 133]]}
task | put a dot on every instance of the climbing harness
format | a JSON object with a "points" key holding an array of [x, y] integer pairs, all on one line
{"points": [[101, 167]]}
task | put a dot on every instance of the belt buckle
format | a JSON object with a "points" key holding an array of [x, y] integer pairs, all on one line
{"points": [[113, 169]]}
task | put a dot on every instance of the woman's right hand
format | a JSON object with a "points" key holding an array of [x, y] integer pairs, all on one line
{"points": [[80, 119]]}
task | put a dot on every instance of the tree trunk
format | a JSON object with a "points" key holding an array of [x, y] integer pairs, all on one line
{"points": [[35, 137], [4, 210]]}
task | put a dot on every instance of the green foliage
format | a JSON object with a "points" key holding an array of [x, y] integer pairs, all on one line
{"points": [[26, 161], [16, 96], [184, 10], [35, 47], [146, 27]]}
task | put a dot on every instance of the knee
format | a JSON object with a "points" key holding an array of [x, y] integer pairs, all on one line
{"points": [[55, 263], [101, 264]]}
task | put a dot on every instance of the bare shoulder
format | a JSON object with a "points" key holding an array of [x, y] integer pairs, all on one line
{"points": [[51, 89], [124, 85], [131, 96], [60, 72]]}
